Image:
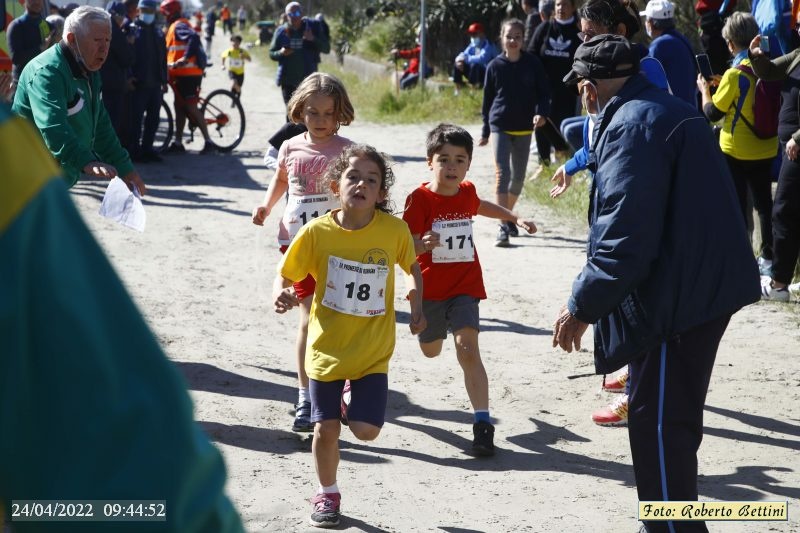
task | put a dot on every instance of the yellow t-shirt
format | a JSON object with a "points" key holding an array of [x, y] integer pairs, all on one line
{"points": [[348, 337], [738, 140], [235, 59]]}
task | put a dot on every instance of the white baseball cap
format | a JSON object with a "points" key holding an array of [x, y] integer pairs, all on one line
{"points": [[659, 10]]}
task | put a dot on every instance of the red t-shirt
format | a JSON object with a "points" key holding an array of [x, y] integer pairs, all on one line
{"points": [[444, 280]]}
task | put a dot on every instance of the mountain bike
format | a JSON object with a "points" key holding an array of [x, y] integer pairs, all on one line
{"points": [[223, 115]]}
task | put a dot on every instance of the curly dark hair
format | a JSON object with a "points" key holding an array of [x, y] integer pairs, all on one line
{"points": [[337, 167]]}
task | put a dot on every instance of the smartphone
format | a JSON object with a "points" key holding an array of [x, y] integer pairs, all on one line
{"points": [[764, 44], [704, 66]]}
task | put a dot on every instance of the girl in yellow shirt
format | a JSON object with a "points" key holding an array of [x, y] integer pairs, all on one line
{"points": [[350, 252]]}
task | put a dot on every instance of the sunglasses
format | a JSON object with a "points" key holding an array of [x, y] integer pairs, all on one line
{"points": [[296, 13]]}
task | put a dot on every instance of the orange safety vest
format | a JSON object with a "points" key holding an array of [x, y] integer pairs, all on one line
{"points": [[176, 49]]}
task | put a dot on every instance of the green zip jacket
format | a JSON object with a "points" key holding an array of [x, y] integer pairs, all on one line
{"points": [[63, 101]]}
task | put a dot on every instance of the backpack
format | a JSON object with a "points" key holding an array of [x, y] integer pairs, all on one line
{"points": [[766, 106]]}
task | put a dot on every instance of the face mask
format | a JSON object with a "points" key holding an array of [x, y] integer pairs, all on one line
{"points": [[475, 41], [585, 101], [147, 18], [78, 55]]}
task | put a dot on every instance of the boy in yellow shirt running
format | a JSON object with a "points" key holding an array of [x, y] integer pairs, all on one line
{"points": [[236, 58]]}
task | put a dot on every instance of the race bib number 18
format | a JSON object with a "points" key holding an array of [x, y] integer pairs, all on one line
{"points": [[356, 288], [455, 241]]}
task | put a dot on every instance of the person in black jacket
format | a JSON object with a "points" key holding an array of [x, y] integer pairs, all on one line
{"points": [[27, 37], [149, 81], [115, 71], [555, 42]]}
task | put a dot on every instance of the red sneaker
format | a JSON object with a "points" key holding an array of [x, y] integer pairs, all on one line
{"points": [[614, 414], [345, 402], [615, 384]]}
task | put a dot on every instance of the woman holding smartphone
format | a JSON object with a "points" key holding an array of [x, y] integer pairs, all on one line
{"points": [[786, 208], [749, 156]]}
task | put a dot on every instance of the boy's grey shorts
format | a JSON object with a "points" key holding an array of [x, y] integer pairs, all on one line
{"points": [[449, 315]]}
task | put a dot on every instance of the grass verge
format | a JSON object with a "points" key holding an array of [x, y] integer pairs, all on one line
{"points": [[569, 208]]}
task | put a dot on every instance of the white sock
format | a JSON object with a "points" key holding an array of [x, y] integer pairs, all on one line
{"points": [[328, 490], [302, 395]]}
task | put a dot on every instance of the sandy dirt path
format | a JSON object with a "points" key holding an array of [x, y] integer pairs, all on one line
{"points": [[201, 274]]}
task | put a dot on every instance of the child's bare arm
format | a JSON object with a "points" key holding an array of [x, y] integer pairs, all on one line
{"points": [[492, 210], [425, 242], [283, 294], [414, 284], [277, 188]]}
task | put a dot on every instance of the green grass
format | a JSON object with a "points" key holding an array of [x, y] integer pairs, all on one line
{"points": [[571, 207], [377, 100]]}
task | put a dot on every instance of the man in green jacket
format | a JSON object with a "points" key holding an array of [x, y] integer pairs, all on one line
{"points": [[59, 91]]}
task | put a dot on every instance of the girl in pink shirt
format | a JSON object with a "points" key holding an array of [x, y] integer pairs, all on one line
{"points": [[322, 104]]}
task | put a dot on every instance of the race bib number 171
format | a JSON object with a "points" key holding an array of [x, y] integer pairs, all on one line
{"points": [[355, 288], [455, 241]]}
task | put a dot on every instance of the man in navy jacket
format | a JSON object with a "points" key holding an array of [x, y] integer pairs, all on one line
{"points": [[667, 263]]}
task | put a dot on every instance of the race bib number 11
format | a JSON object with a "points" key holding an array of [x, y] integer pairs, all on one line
{"points": [[300, 210], [355, 288]]}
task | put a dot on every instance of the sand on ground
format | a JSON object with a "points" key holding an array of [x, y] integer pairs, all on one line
{"points": [[201, 274]]}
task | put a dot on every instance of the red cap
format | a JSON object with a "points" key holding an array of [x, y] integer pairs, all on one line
{"points": [[475, 27]]}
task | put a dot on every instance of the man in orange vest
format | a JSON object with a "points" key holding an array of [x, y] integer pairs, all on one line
{"points": [[225, 16], [185, 63]]}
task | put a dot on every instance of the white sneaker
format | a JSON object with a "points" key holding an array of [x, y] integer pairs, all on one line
{"points": [[768, 292], [764, 266], [271, 158]]}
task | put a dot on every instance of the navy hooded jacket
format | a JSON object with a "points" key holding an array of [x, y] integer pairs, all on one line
{"points": [[667, 246]]}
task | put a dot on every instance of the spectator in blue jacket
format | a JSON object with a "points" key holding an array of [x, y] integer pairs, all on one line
{"points": [[471, 63], [149, 81], [297, 46], [672, 49], [116, 69], [665, 268], [27, 37]]}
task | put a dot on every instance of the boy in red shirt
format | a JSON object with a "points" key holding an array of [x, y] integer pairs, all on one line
{"points": [[439, 214]]}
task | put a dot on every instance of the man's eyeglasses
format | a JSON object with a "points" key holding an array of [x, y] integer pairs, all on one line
{"points": [[296, 13]]}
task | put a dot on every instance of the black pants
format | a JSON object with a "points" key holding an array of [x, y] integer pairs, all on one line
{"points": [[474, 74], [114, 102], [562, 105], [665, 417], [146, 107], [287, 91], [755, 175], [786, 222]]}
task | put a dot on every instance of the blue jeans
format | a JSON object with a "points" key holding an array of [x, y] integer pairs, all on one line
{"points": [[510, 161], [572, 130]]}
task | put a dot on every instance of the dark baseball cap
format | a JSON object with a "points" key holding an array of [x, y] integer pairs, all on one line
{"points": [[604, 57]]}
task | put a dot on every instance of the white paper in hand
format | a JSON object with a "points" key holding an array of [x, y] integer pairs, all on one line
{"points": [[123, 206]]}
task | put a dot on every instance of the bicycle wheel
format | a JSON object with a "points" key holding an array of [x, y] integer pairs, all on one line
{"points": [[165, 128], [224, 116]]}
